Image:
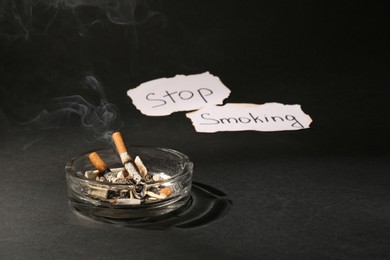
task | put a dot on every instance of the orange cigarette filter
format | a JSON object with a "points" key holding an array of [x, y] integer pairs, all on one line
{"points": [[167, 191], [99, 164], [119, 143]]}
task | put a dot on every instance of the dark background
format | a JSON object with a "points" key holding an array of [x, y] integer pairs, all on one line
{"points": [[65, 67]]}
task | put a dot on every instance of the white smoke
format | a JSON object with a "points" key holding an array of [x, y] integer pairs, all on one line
{"points": [[101, 119], [20, 19]]}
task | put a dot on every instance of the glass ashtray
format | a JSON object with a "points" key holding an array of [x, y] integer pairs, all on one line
{"points": [[167, 169]]}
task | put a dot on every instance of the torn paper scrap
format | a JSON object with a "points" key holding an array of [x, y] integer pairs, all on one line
{"points": [[242, 117], [164, 96]]}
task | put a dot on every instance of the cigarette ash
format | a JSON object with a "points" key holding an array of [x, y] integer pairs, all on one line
{"points": [[127, 193], [134, 185]]}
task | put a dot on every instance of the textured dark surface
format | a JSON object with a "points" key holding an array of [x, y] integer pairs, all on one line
{"points": [[320, 193]]}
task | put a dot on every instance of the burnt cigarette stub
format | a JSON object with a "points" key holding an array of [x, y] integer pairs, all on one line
{"points": [[141, 168], [99, 164], [91, 174], [133, 171], [125, 157]]}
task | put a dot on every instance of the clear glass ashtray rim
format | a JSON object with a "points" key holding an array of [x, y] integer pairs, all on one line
{"points": [[187, 165]]}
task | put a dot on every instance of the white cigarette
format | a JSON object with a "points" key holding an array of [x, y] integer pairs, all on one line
{"points": [[91, 174]]}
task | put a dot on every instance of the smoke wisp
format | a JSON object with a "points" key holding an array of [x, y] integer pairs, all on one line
{"points": [[20, 19], [101, 119], [45, 44]]}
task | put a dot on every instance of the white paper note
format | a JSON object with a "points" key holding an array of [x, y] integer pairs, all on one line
{"points": [[241, 117], [164, 96]]}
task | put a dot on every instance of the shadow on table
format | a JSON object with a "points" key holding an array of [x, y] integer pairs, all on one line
{"points": [[205, 205]]}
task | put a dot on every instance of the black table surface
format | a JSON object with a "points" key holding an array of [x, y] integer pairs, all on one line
{"points": [[318, 193]]}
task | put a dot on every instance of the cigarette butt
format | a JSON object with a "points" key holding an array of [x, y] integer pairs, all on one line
{"points": [[167, 191], [141, 168], [119, 143], [91, 174], [99, 164], [133, 172]]}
